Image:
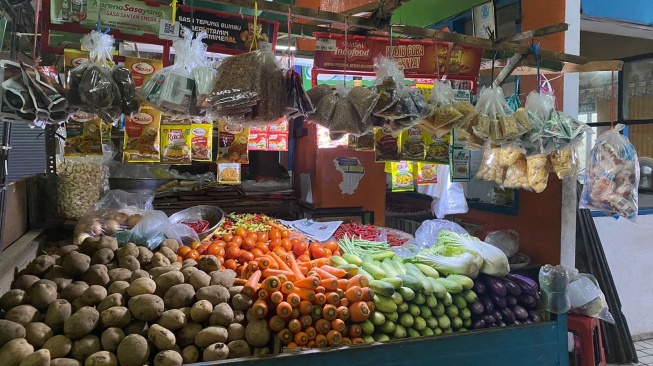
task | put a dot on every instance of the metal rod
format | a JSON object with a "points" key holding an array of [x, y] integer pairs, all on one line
{"points": [[4, 162]]}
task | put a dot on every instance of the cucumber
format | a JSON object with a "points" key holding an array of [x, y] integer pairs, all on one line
{"points": [[419, 299], [427, 270], [448, 330], [438, 290], [452, 311], [411, 282], [428, 287], [377, 272], [400, 331], [397, 298], [425, 312], [381, 337], [456, 322], [396, 282], [382, 255], [367, 326], [467, 323], [459, 301], [413, 309], [451, 286], [351, 269], [388, 327], [436, 331], [337, 261], [363, 272], [448, 300], [469, 296], [426, 332], [382, 288], [406, 293], [466, 282], [377, 318], [420, 323], [462, 329], [412, 333], [367, 338], [406, 320], [431, 301], [402, 308], [438, 309], [444, 322], [352, 259], [465, 314], [390, 270], [384, 304], [431, 322], [398, 263], [393, 317]]}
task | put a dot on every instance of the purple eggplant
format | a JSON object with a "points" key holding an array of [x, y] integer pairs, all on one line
{"points": [[527, 300], [517, 322], [508, 315], [495, 286], [537, 296], [512, 288], [511, 300], [528, 286], [502, 324], [520, 312], [489, 319], [499, 301], [479, 287], [534, 317], [479, 324], [528, 321], [497, 315], [488, 305], [476, 308]]}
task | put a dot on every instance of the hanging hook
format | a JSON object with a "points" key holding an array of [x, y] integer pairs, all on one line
{"points": [[241, 13]]}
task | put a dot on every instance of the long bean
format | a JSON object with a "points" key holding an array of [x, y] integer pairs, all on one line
{"points": [[361, 247]]}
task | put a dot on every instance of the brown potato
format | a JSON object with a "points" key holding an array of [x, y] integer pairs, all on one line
{"points": [[102, 256], [201, 311], [94, 295], [239, 349], [102, 358], [159, 260], [168, 358], [111, 301], [24, 282], [42, 293], [129, 262], [128, 249], [136, 327], [108, 242], [38, 358], [167, 280], [81, 323], [146, 307], [118, 287], [210, 335], [37, 334], [187, 271], [76, 263], [216, 352], [133, 350], [170, 244], [173, 319], [179, 296], [65, 362], [10, 330], [12, 298], [59, 346], [144, 255], [223, 277], [73, 291], [139, 273], [199, 279], [40, 265], [222, 315], [209, 263], [84, 347], [141, 286], [119, 274], [15, 351], [158, 271], [23, 314], [57, 275], [186, 335], [117, 316], [168, 253], [190, 354], [111, 338], [161, 337], [57, 314], [215, 294], [97, 274]]}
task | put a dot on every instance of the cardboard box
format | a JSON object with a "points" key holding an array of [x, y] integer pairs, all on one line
{"points": [[15, 217]]}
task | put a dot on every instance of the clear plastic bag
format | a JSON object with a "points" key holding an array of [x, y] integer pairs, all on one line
{"points": [[517, 174], [447, 113], [495, 122], [451, 198], [538, 172], [554, 282], [565, 162], [506, 240], [427, 234], [612, 176], [80, 184], [153, 228], [586, 297], [490, 170]]}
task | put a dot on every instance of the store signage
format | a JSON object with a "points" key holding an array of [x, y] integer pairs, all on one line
{"points": [[484, 20], [416, 57], [130, 17], [589, 107]]}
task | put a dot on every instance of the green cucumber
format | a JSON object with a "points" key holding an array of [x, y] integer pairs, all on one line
{"points": [[425, 312], [419, 299], [427, 270], [390, 270], [436, 331], [368, 338], [431, 301], [456, 322], [448, 330], [393, 317], [399, 265], [397, 298], [388, 327], [382, 255], [412, 333], [406, 293], [469, 296], [426, 332], [352, 259], [459, 301], [448, 300], [413, 271], [400, 331], [411, 282], [384, 304], [439, 309], [464, 281], [382, 288], [413, 309], [381, 337], [452, 311], [451, 286], [467, 323], [337, 261], [396, 282], [367, 326], [444, 322], [377, 318], [406, 320], [375, 271], [365, 274], [420, 323], [402, 308], [431, 322], [465, 314], [351, 269], [438, 290]]}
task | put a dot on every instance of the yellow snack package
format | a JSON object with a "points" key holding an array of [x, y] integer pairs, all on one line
{"points": [[141, 144], [412, 144], [437, 148], [426, 173], [142, 69], [175, 143], [386, 146], [233, 143], [201, 141], [402, 176], [228, 173], [83, 135]]}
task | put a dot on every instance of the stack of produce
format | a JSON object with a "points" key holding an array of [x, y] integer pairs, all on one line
{"points": [[98, 304], [511, 299]]}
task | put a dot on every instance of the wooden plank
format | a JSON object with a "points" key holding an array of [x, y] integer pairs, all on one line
{"points": [[535, 33], [18, 256], [508, 69], [528, 69]]}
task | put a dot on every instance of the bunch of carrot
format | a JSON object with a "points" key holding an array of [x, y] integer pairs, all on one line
{"points": [[309, 304]]}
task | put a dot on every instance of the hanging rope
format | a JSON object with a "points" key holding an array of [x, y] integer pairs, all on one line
{"points": [[257, 30], [612, 102], [344, 79], [173, 5], [535, 49], [513, 101]]}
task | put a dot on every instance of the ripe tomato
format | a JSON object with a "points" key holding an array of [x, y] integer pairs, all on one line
{"points": [[180, 259], [337, 253], [286, 245], [202, 248], [245, 257], [220, 243], [275, 243], [317, 250], [263, 247], [227, 237], [332, 245], [192, 254], [221, 259], [231, 264], [263, 237], [195, 244], [299, 248], [232, 252], [304, 258], [257, 252], [237, 240], [254, 236], [212, 249], [285, 234], [274, 234], [328, 252], [183, 250], [242, 232], [279, 251], [248, 243]]}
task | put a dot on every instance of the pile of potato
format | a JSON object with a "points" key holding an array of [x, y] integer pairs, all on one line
{"points": [[99, 305]]}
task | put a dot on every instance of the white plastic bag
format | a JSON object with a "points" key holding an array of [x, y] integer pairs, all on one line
{"points": [[451, 198], [586, 297], [506, 240], [153, 228]]}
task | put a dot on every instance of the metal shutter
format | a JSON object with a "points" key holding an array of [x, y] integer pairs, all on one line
{"points": [[27, 154]]}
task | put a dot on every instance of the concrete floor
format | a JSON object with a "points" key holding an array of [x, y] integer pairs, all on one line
{"points": [[644, 353]]}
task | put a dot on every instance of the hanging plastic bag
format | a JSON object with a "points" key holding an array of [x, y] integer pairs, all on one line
{"points": [[490, 170], [202, 71], [506, 240], [451, 199], [495, 122], [586, 297], [538, 172], [516, 173], [612, 176], [565, 162], [554, 282]]}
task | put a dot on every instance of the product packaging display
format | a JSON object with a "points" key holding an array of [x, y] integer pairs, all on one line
{"points": [[402, 176], [83, 135], [386, 146], [229, 173], [495, 122], [141, 142], [233, 143], [80, 185], [201, 141], [176, 142]]}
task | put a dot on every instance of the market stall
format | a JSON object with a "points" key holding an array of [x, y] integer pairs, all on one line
{"points": [[204, 265]]}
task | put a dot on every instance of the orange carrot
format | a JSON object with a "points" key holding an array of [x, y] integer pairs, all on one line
{"points": [[295, 268], [358, 340], [284, 310], [306, 321], [311, 333], [240, 282], [343, 313], [330, 284], [283, 277], [360, 281], [368, 294], [344, 302], [346, 340], [281, 252], [304, 271], [354, 294], [332, 298], [293, 299], [321, 341], [323, 274], [277, 323], [282, 265], [339, 325], [294, 326], [305, 294], [359, 312], [276, 297], [329, 312], [252, 284], [295, 313], [355, 331], [334, 338], [271, 284], [260, 309], [263, 294], [343, 284], [244, 272], [322, 326], [301, 338], [371, 305], [292, 345], [310, 283], [305, 307], [308, 265], [310, 344], [334, 271], [252, 266], [320, 261], [277, 272], [285, 336], [287, 288], [320, 299], [320, 290], [316, 313]]}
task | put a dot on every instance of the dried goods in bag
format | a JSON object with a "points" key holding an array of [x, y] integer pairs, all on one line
{"points": [[495, 122], [612, 176], [490, 170], [564, 162], [517, 174], [538, 172]]}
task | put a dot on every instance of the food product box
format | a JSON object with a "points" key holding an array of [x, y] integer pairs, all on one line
{"points": [[426, 173], [402, 176], [142, 68], [258, 141], [228, 173], [232, 143], [201, 141], [277, 142], [175, 144], [141, 142], [386, 146]]}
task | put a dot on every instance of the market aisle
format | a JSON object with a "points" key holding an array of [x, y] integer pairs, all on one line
{"points": [[644, 353]]}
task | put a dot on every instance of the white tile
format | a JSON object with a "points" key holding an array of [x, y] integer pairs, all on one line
{"points": [[642, 353], [646, 360]]}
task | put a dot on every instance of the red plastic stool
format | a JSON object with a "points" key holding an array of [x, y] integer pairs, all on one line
{"points": [[588, 346]]}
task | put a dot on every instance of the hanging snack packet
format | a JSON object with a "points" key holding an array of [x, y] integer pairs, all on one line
{"points": [[490, 170], [538, 172], [495, 121], [402, 176], [412, 144], [564, 162], [445, 116], [517, 174], [83, 135], [73, 58], [509, 156], [459, 165], [612, 176], [426, 173], [437, 148], [386, 146], [365, 142], [141, 143], [142, 69], [201, 141], [175, 143], [233, 141]]}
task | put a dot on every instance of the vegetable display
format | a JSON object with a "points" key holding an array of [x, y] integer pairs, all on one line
{"points": [[366, 232]]}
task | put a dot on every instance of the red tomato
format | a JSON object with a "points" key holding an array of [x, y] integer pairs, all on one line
{"points": [[262, 246], [254, 236], [317, 250], [332, 245], [237, 239], [233, 252], [275, 234], [180, 259], [263, 237], [275, 243], [242, 232], [245, 257], [299, 248], [248, 243], [286, 245], [285, 234], [304, 258], [227, 237], [231, 264], [192, 254], [257, 252], [195, 244], [202, 248], [337, 253], [220, 243], [183, 250]]}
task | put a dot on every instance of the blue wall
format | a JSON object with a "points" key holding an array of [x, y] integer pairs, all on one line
{"points": [[636, 11]]}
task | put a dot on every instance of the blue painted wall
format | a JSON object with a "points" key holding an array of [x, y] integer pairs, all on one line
{"points": [[636, 11]]}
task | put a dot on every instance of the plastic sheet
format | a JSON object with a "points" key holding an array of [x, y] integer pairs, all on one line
{"points": [[554, 282], [506, 240], [586, 297], [154, 227]]}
